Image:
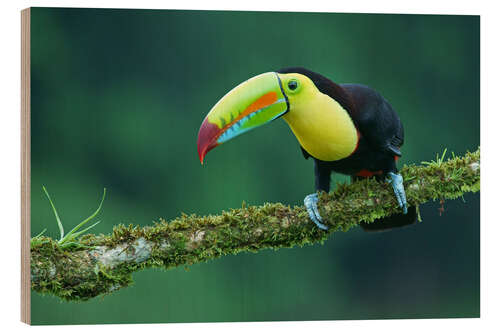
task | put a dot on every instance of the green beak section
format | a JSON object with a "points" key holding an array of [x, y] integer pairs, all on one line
{"points": [[251, 104]]}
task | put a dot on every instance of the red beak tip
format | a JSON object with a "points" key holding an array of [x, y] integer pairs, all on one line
{"points": [[207, 136], [201, 155]]}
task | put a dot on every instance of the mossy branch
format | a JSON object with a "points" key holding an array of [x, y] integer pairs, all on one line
{"points": [[104, 263]]}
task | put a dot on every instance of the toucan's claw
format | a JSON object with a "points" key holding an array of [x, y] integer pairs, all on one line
{"points": [[311, 203], [396, 180]]}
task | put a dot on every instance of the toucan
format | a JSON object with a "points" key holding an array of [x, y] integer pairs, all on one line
{"points": [[345, 128]]}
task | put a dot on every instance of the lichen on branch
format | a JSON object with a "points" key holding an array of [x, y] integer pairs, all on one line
{"points": [[105, 262]]}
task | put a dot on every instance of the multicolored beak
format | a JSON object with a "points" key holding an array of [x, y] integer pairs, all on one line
{"points": [[251, 104]]}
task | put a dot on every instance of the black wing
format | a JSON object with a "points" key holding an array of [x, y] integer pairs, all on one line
{"points": [[374, 117]]}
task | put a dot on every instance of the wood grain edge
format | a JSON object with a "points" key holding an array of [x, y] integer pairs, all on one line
{"points": [[25, 166]]}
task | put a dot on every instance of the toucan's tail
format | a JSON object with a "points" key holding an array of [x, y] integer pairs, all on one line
{"points": [[391, 222]]}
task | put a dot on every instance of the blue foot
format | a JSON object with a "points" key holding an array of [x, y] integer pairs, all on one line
{"points": [[396, 180], [311, 203]]}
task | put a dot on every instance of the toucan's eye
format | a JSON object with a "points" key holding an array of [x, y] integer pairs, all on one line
{"points": [[293, 85]]}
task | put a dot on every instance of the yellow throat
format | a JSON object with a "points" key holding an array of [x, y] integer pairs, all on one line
{"points": [[320, 124]]}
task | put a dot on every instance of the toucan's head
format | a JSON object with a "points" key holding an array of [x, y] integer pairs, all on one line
{"points": [[251, 104]]}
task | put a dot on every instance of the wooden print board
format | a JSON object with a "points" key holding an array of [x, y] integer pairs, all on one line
{"points": [[118, 107]]}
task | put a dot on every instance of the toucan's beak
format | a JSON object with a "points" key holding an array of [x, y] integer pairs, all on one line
{"points": [[251, 104]]}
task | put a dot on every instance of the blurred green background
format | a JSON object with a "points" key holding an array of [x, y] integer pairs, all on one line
{"points": [[117, 100]]}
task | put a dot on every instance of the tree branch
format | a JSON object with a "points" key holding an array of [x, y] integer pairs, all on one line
{"points": [[106, 264]]}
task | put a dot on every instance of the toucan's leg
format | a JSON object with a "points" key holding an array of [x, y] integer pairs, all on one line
{"points": [[311, 203], [396, 180], [322, 183]]}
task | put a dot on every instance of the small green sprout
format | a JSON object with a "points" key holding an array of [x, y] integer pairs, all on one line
{"points": [[438, 161], [71, 238], [40, 234], [38, 240]]}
